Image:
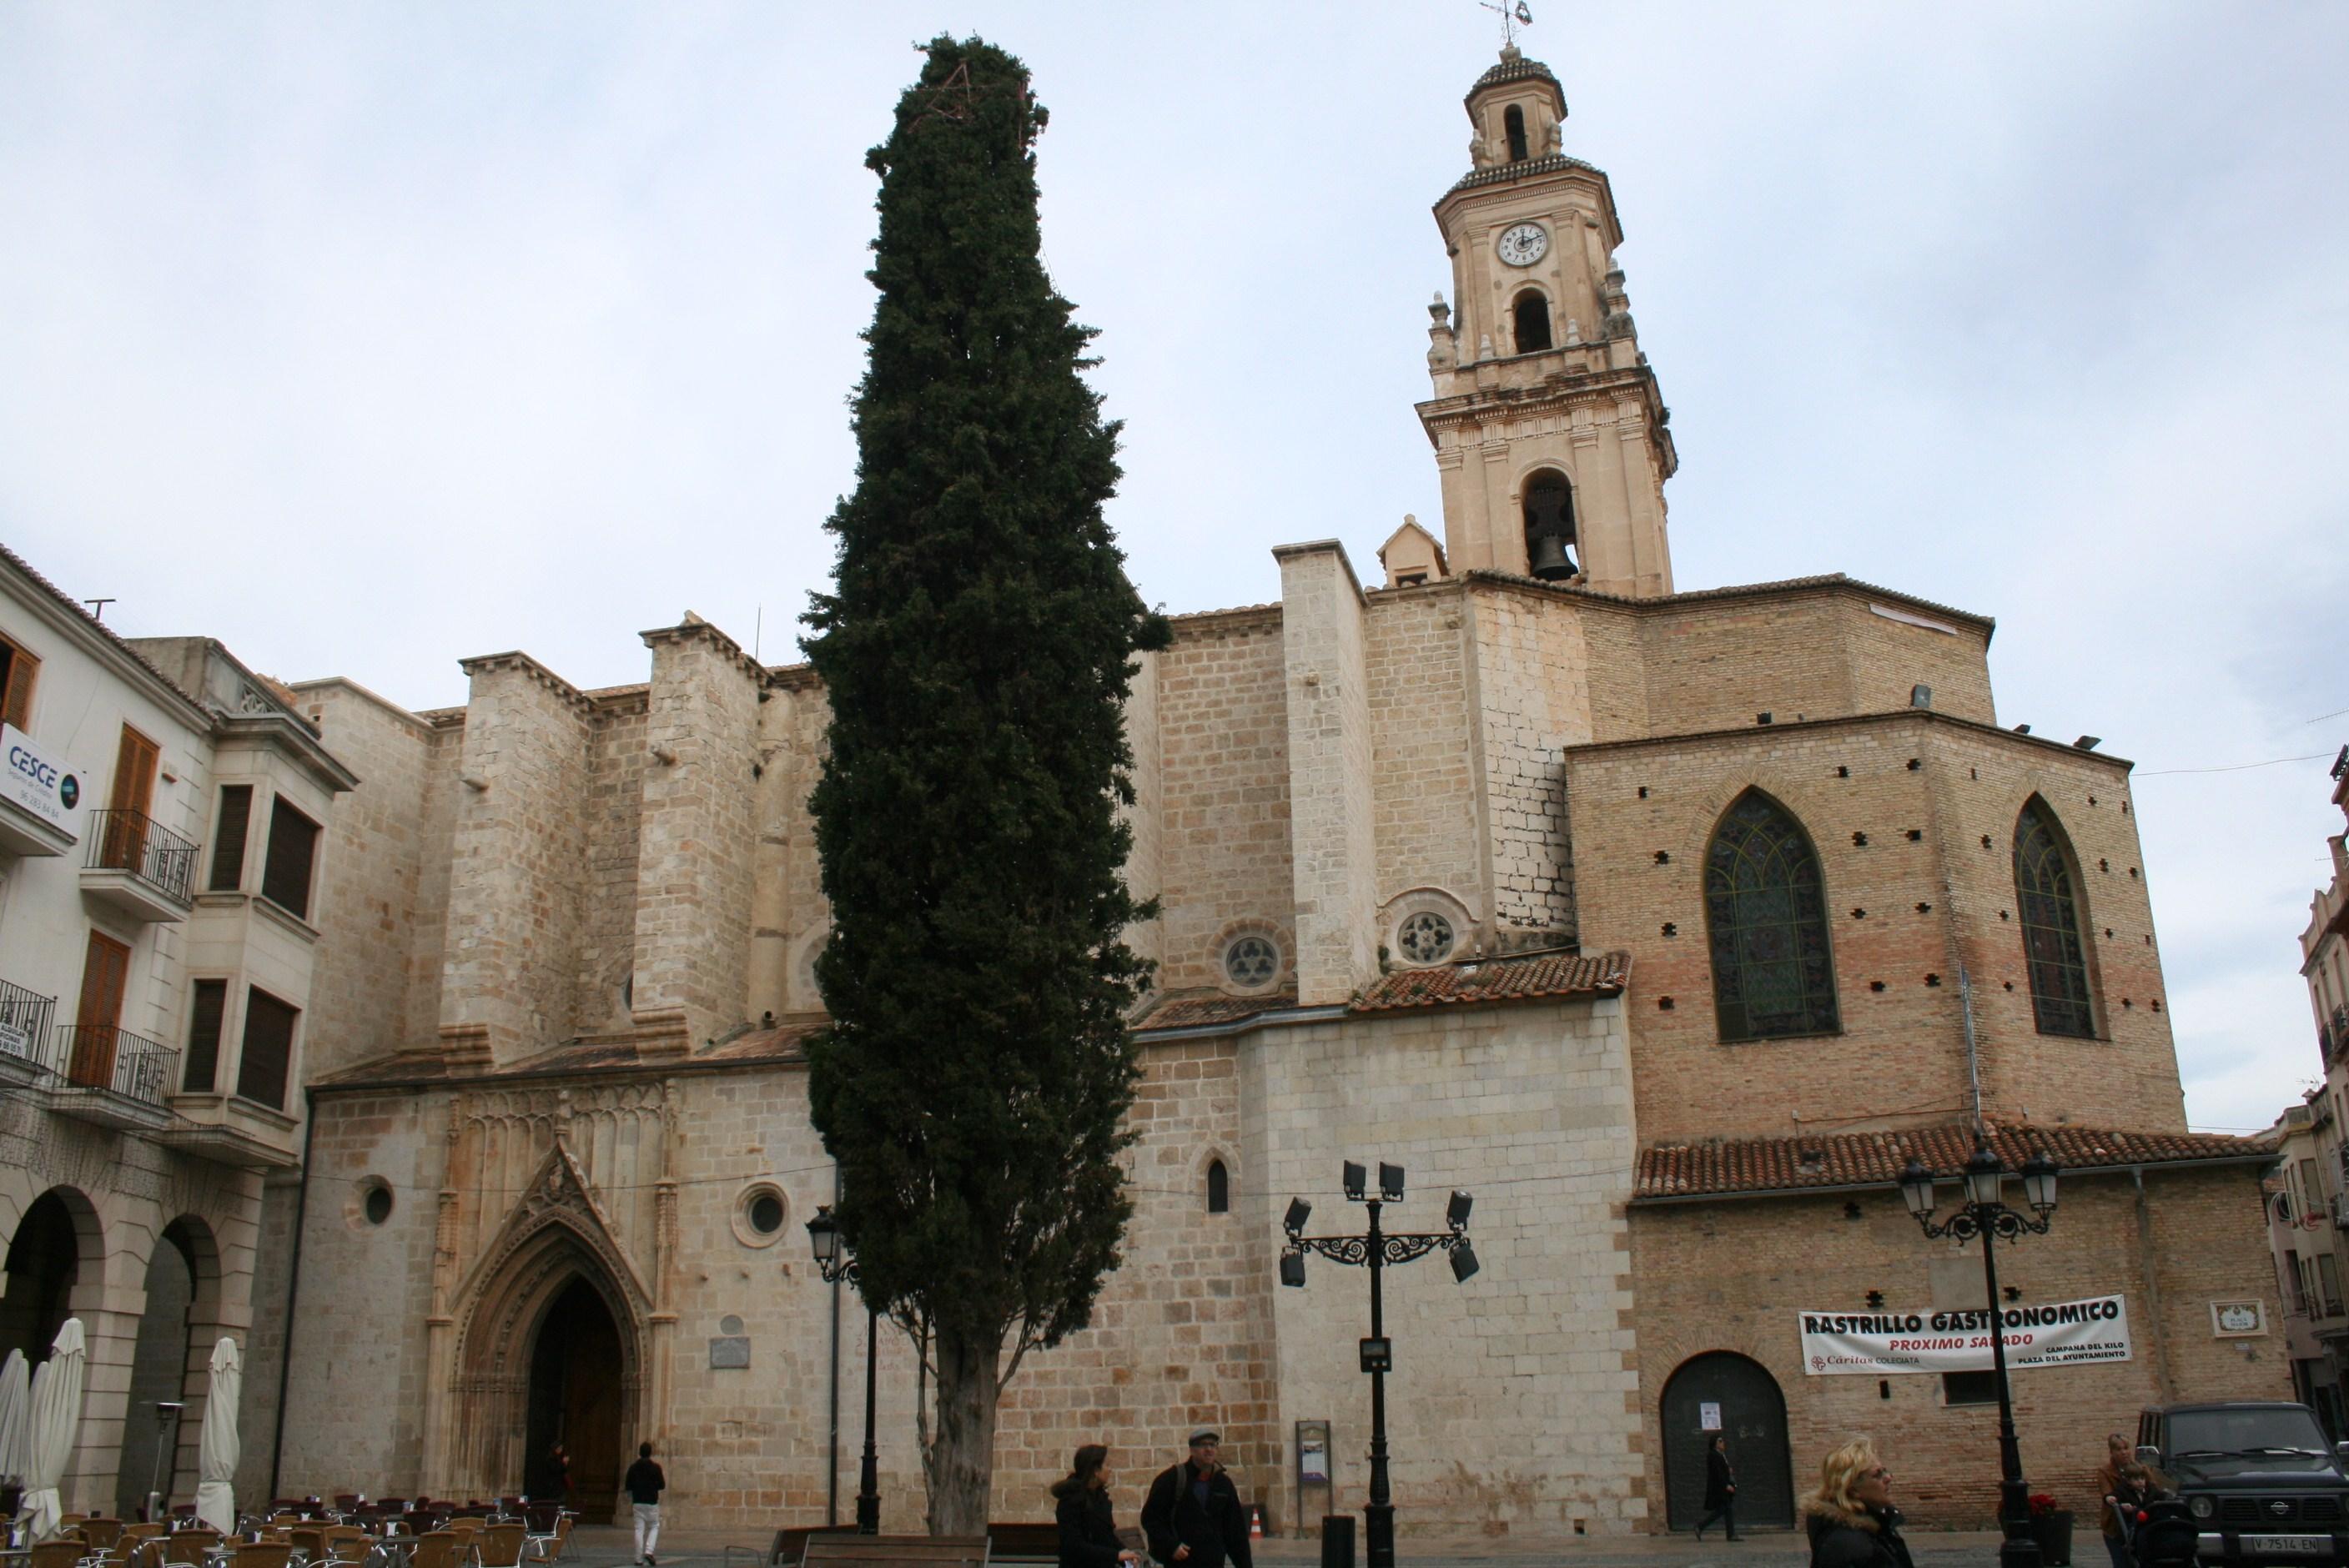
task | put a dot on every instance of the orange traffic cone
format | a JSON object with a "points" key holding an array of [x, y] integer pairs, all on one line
{"points": [[1256, 1522]]}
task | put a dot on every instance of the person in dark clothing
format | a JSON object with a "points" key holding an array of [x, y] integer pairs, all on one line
{"points": [[1088, 1528], [1851, 1518], [558, 1475], [1720, 1487], [645, 1483], [1192, 1515]]}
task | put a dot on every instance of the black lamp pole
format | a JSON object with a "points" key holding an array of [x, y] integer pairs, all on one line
{"points": [[1376, 1250], [836, 1264], [1986, 1215]]}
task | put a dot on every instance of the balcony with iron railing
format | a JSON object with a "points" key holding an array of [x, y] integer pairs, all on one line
{"points": [[139, 868], [25, 1017], [109, 1076]]}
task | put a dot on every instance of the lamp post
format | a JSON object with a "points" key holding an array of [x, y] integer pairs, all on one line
{"points": [[836, 1264], [1377, 1250], [1986, 1215]]}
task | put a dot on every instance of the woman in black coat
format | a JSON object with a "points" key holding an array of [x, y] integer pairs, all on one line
{"points": [[1720, 1487], [1851, 1518], [1088, 1529]]}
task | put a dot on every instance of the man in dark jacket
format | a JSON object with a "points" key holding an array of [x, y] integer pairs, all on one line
{"points": [[1192, 1515], [645, 1483]]}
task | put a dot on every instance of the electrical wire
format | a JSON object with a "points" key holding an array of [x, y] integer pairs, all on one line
{"points": [[2235, 767]]}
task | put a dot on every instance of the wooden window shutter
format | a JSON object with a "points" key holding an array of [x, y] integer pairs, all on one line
{"points": [[134, 772], [293, 846], [263, 1066], [16, 685], [228, 838], [204, 1037]]}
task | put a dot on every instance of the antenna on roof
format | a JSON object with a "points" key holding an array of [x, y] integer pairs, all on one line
{"points": [[98, 608], [1514, 14]]}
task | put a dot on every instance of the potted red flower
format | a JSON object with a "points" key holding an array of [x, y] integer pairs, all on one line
{"points": [[2051, 1526]]}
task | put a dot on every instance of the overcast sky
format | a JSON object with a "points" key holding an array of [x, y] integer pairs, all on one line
{"points": [[370, 336]]}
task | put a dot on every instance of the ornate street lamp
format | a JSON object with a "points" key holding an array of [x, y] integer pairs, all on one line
{"points": [[836, 1265], [1377, 1250], [1986, 1215]]}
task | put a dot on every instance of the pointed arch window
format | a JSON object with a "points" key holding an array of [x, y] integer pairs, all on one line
{"points": [[1513, 124], [1765, 909], [1219, 1188], [2052, 949], [1530, 315]]}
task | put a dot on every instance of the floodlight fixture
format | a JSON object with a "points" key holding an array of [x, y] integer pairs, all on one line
{"points": [[1389, 1182], [1353, 1178], [1299, 1211], [1455, 1213]]}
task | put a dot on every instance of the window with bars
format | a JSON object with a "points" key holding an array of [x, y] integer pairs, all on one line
{"points": [[267, 1057], [203, 1070], [2053, 948], [1765, 906], [293, 847], [229, 831]]}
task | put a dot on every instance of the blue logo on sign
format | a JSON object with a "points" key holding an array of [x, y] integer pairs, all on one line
{"points": [[69, 790]]}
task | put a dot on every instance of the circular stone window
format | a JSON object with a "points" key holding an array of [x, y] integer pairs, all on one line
{"points": [[759, 1214], [370, 1202], [1425, 938], [1251, 962]]}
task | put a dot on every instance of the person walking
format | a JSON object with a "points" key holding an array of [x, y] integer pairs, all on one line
{"points": [[1192, 1515], [1720, 1487], [1851, 1518], [2125, 1486], [645, 1483], [1081, 1508]]}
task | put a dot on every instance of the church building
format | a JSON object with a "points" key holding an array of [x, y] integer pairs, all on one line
{"points": [[1671, 923]]}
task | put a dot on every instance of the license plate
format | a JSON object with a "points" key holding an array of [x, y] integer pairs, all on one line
{"points": [[2321, 1544]]}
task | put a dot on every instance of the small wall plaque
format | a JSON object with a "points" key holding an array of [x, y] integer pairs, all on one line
{"points": [[729, 1352], [2238, 1319]]}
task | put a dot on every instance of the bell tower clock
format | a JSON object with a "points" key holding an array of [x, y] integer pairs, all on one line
{"points": [[1549, 429]]}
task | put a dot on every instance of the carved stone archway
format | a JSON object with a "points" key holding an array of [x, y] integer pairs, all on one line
{"points": [[557, 1234]]}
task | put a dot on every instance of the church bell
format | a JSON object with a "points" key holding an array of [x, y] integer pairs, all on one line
{"points": [[1551, 563]]}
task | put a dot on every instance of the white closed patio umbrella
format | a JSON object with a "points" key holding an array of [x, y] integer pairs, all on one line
{"points": [[215, 1497], [49, 1437], [15, 1412]]}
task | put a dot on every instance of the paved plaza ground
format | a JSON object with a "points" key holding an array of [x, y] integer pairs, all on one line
{"points": [[604, 1547]]}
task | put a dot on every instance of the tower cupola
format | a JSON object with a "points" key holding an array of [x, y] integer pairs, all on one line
{"points": [[1518, 111]]}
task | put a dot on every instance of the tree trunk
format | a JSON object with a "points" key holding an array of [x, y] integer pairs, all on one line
{"points": [[961, 1461]]}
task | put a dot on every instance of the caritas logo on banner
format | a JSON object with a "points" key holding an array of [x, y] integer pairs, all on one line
{"points": [[1872, 1344]]}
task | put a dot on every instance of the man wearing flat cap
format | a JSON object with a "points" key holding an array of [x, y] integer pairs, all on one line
{"points": [[1193, 1516]]}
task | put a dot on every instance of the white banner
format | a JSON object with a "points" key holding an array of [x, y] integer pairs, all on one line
{"points": [[40, 783], [1874, 1344]]}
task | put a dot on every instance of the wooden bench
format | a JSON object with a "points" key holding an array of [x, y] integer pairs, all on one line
{"points": [[851, 1551], [1023, 1543]]}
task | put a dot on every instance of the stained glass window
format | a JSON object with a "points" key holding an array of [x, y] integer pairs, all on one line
{"points": [[2052, 946], [1773, 972]]}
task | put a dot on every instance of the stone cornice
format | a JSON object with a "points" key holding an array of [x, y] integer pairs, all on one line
{"points": [[293, 739], [1833, 584], [1200, 626], [1284, 553], [694, 629], [514, 659], [1891, 718]]}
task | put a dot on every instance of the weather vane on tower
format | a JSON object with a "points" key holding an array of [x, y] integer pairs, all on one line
{"points": [[1514, 14]]}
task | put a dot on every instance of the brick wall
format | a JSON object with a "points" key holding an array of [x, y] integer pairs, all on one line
{"points": [[1733, 1276], [1900, 1050]]}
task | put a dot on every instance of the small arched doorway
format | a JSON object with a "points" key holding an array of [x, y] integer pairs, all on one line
{"points": [[575, 1401], [1720, 1391]]}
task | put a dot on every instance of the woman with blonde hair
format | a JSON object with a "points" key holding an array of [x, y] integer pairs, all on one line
{"points": [[1851, 1518]]}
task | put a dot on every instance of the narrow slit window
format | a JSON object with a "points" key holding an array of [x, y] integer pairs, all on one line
{"points": [[1513, 125], [1219, 1188]]}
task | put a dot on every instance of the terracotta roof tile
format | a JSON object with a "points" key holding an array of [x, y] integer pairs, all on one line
{"points": [[1876, 1158], [1203, 1010], [1524, 978]]}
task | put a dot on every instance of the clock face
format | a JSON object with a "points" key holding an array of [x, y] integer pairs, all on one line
{"points": [[1523, 245]]}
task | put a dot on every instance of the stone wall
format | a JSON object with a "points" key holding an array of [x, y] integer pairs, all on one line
{"points": [[617, 755], [1734, 1275], [1423, 777], [1224, 851], [1333, 847], [1513, 1400]]}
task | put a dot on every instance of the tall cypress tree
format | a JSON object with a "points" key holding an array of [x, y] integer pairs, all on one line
{"points": [[977, 651]]}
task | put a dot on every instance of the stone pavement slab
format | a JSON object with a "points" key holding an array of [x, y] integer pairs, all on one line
{"points": [[611, 1547]]}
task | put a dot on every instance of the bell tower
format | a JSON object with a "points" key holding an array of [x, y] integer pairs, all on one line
{"points": [[1549, 429]]}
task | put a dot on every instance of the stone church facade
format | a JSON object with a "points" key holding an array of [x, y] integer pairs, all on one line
{"points": [[1668, 923]]}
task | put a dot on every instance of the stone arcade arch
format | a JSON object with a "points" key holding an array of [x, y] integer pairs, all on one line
{"points": [[171, 1360], [55, 1264], [1752, 1414]]}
